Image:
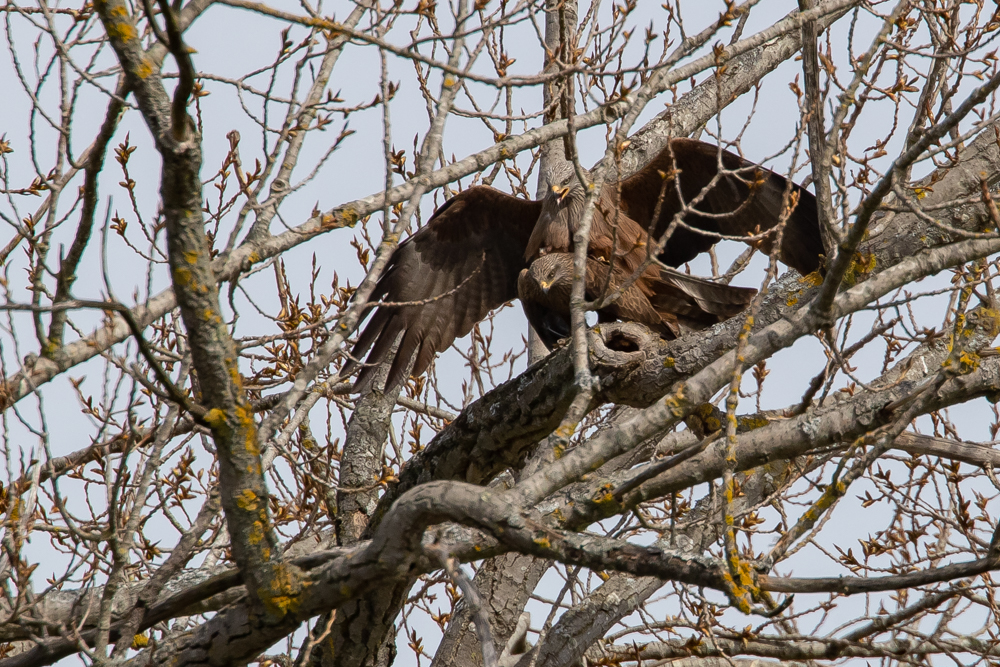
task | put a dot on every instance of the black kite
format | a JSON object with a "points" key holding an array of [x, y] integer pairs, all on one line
{"points": [[468, 259]]}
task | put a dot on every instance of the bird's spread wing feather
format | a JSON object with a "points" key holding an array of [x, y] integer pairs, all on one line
{"points": [[445, 279], [749, 201]]}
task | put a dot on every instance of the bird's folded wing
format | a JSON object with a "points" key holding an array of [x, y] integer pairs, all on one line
{"points": [[443, 280], [695, 301], [633, 305], [676, 299]]}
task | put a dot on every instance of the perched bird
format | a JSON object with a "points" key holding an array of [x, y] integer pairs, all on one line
{"points": [[483, 248], [668, 302]]}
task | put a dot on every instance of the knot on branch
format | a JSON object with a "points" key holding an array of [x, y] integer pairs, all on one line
{"points": [[621, 346]]}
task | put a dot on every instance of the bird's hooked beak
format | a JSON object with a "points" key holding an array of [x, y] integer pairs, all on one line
{"points": [[561, 191], [545, 285]]}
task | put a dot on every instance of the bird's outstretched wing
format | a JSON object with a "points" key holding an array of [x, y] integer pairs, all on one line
{"points": [[748, 201], [444, 279]]}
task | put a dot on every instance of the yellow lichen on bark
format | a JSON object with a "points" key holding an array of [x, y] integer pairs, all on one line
{"points": [[256, 535], [284, 593], [182, 277], [750, 423], [215, 418], [814, 279], [144, 68], [675, 403], [565, 430], [247, 500]]}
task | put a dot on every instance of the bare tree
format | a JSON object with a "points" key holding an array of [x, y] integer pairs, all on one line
{"points": [[201, 196]]}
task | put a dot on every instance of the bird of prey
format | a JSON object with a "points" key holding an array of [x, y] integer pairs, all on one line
{"points": [[667, 301], [483, 248]]}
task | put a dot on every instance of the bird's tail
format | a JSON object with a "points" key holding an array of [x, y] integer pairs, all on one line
{"points": [[696, 302]]}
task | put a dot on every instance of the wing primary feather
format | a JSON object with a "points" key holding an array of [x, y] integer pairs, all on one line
{"points": [[443, 280], [746, 200]]}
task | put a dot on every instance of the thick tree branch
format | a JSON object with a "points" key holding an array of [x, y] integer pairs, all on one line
{"points": [[242, 488]]}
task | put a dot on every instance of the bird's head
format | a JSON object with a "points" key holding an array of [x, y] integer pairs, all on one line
{"points": [[563, 179], [549, 270], [549, 279], [560, 191]]}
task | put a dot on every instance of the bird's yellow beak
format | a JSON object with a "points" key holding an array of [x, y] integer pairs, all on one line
{"points": [[545, 285], [561, 191]]}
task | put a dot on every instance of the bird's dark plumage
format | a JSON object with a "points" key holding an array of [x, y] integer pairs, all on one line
{"points": [[451, 274], [669, 302], [748, 201], [468, 259]]}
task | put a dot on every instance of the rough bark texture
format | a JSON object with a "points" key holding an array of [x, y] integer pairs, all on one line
{"points": [[505, 583], [361, 464]]}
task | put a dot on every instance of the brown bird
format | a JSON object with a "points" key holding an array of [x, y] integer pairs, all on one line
{"points": [[672, 303], [468, 259]]}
